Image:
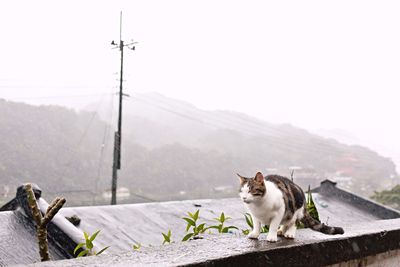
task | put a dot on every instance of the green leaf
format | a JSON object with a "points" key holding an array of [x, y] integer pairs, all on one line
{"points": [[93, 237], [89, 244], [190, 223], [187, 237], [312, 210], [300, 225], [226, 229], [218, 227], [102, 250], [86, 235], [78, 247], [222, 217], [169, 233], [246, 232], [167, 237], [137, 247], [190, 214], [249, 220], [200, 228], [83, 253], [196, 215]]}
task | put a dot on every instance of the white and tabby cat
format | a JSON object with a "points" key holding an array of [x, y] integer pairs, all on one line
{"points": [[274, 201]]}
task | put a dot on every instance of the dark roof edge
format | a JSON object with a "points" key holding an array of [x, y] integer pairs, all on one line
{"points": [[10, 205], [329, 188], [62, 233]]}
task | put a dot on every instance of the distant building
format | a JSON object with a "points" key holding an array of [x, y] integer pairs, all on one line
{"points": [[122, 193]]}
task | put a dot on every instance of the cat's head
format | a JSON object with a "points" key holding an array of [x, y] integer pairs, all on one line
{"points": [[252, 189]]}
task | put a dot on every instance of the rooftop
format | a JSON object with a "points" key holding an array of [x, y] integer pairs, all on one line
{"points": [[124, 225]]}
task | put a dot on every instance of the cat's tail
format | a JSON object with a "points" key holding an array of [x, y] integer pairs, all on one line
{"points": [[315, 225]]}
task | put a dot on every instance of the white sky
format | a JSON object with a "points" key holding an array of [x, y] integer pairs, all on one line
{"points": [[315, 64]]}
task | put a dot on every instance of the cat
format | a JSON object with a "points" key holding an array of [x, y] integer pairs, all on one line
{"points": [[275, 200]]}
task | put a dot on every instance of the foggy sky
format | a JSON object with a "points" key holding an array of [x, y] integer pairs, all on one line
{"points": [[314, 64]]}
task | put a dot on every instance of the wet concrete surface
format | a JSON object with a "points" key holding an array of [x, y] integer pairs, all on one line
{"points": [[308, 249], [124, 225], [18, 241]]}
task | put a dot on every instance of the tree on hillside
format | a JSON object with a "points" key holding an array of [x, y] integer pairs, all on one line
{"points": [[389, 197]]}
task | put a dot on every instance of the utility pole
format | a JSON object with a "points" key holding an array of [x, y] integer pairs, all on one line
{"points": [[118, 134]]}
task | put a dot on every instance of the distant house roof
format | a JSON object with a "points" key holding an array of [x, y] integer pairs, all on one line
{"points": [[124, 225], [330, 191]]}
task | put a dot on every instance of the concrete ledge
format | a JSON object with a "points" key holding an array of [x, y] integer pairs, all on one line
{"points": [[310, 248]]}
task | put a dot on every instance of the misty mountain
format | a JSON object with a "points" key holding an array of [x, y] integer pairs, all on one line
{"points": [[153, 120], [338, 134], [170, 150]]}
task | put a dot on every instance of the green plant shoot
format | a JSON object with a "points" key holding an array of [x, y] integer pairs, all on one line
{"points": [[192, 223], [220, 227], [312, 210], [167, 237], [249, 222], [87, 246]]}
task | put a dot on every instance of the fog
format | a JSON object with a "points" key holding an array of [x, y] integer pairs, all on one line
{"points": [[328, 67]]}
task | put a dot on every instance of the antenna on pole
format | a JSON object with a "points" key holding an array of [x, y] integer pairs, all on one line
{"points": [[120, 25], [118, 134]]}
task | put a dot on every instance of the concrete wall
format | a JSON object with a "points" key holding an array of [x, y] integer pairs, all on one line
{"points": [[387, 259], [372, 242]]}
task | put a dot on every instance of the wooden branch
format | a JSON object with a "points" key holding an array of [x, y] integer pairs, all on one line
{"points": [[42, 222], [52, 210], [52, 204], [37, 215]]}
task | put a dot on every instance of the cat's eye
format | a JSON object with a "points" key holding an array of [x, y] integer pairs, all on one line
{"points": [[258, 192]]}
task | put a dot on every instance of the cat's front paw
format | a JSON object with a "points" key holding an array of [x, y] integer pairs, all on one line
{"points": [[253, 235], [289, 235], [272, 238]]}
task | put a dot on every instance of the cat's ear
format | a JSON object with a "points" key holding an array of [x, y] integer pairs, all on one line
{"points": [[241, 178], [259, 177]]}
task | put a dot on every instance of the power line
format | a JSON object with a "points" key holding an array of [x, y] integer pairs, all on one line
{"points": [[56, 96], [106, 133], [85, 131], [251, 129], [47, 86], [255, 129], [143, 197]]}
